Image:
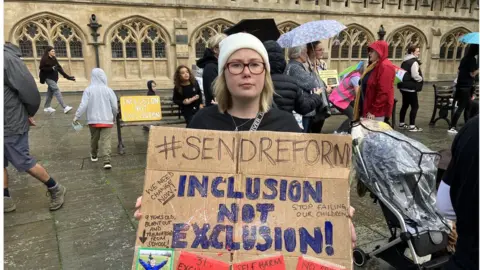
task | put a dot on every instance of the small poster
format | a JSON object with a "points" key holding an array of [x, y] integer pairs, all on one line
{"points": [[155, 258], [330, 77]]}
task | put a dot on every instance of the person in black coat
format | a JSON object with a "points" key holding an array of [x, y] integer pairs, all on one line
{"points": [[288, 94], [49, 69], [209, 64], [187, 93]]}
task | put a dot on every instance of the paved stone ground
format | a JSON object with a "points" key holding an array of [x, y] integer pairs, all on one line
{"points": [[95, 229]]}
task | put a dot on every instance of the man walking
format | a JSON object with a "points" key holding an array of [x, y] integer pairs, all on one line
{"points": [[21, 102]]}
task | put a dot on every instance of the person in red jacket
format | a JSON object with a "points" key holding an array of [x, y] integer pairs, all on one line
{"points": [[377, 84]]}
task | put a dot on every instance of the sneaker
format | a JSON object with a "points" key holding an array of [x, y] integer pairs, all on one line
{"points": [[107, 166], [67, 109], [49, 110], [402, 126], [415, 129], [57, 196], [8, 205], [453, 131], [93, 158]]}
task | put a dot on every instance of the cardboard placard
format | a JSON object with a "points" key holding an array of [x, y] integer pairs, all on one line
{"points": [[330, 76], [233, 196], [305, 263], [268, 263], [190, 261], [140, 108]]}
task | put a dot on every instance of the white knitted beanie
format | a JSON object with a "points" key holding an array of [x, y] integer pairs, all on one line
{"points": [[239, 41]]}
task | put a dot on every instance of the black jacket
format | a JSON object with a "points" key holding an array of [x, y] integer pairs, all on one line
{"points": [[288, 94], [209, 64], [188, 92], [21, 98], [49, 69], [408, 82]]}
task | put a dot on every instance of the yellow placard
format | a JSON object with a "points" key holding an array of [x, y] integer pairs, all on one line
{"points": [[330, 77], [140, 108]]}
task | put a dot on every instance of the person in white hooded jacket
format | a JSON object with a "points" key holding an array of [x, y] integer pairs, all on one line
{"points": [[100, 103], [410, 86]]}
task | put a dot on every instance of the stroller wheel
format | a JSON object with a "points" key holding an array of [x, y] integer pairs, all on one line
{"points": [[359, 257]]}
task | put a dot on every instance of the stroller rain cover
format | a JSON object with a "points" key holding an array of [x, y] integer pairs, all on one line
{"points": [[404, 171]]}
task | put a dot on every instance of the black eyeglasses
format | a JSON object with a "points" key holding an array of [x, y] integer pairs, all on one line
{"points": [[236, 68]]}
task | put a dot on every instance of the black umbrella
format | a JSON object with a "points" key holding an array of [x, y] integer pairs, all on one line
{"points": [[263, 29]]}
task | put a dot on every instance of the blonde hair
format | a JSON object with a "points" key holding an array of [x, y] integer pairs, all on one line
{"points": [[224, 98], [215, 40]]}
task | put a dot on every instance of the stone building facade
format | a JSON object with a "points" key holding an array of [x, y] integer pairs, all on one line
{"points": [[141, 40]]}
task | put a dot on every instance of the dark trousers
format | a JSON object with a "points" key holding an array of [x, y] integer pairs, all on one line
{"points": [[463, 98], [345, 126], [188, 115], [410, 99], [306, 123], [317, 126]]}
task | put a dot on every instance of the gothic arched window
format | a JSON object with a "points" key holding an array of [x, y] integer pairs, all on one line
{"points": [[351, 43], [207, 31], [450, 47], [286, 27], [35, 34], [139, 49], [400, 39]]}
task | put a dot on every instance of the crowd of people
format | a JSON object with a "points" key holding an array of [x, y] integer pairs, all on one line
{"points": [[249, 85]]}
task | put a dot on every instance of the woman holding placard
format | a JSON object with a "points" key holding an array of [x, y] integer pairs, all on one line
{"points": [[244, 92]]}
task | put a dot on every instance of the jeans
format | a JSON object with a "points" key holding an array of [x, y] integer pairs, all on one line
{"points": [[53, 90], [104, 136], [409, 99], [307, 122]]}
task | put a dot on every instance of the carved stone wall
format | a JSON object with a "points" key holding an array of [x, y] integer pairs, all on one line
{"points": [[144, 40]]}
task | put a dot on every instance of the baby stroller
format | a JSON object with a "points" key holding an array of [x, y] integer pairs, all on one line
{"points": [[400, 175]]}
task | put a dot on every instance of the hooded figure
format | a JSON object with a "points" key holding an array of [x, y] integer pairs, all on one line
{"points": [[151, 91], [100, 103], [288, 94], [21, 98], [377, 83], [209, 64]]}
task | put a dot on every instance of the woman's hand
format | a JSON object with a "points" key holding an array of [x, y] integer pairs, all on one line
{"points": [[214, 102], [352, 228], [329, 89], [187, 101], [370, 116], [138, 204], [318, 91]]}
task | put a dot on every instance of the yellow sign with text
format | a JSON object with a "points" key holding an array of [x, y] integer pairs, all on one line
{"points": [[330, 77], [140, 108]]}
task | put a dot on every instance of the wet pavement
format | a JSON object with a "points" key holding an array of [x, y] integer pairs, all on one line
{"points": [[95, 229]]}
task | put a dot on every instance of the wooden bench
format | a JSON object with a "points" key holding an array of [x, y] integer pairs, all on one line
{"points": [[171, 115], [443, 102]]}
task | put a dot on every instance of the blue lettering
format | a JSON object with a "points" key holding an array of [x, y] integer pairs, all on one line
{"points": [[294, 191], [224, 212], [201, 236], [214, 236], [179, 234], [249, 240], [194, 183], [217, 181], [265, 233], [329, 238], [271, 184], [290, 239], [314, 193], [248, 213], [231, 245], [314, 242], [264, 208], [253, 195], [278, 238], [283, 190], [231, 193], [181, 185]]}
